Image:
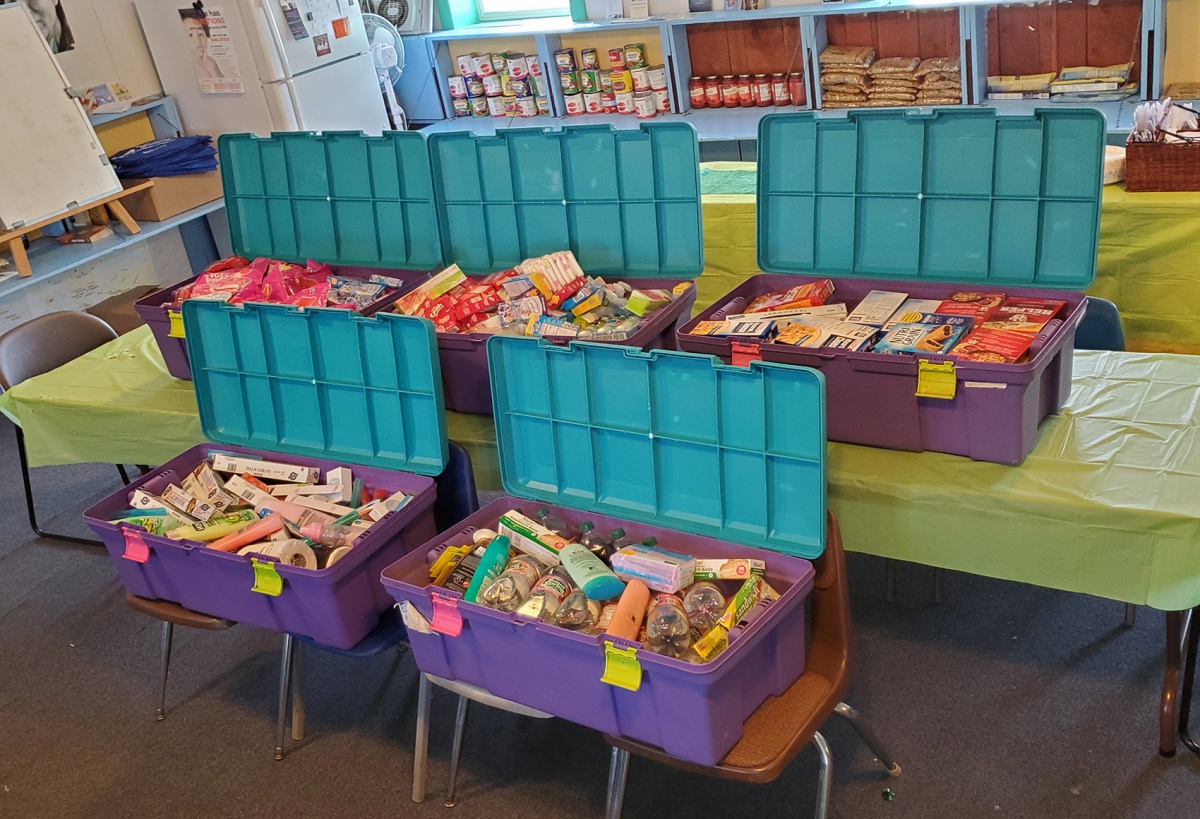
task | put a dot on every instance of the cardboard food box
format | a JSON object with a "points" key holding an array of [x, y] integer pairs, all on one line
{"points": [[171, 195]]}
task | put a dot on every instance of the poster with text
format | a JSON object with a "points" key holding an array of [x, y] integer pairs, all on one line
{"points": [[213, 57]]}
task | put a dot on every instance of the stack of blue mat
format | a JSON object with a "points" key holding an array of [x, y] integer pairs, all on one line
{"points": [[166, 157]]}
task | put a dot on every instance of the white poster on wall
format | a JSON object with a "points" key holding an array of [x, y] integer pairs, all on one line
{"points": [[213, 57]]}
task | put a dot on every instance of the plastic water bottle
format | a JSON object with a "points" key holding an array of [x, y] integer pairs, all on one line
{"points": [[577, 613], [704, 605], [619, 540], [514, 585], [667, 626], [650, 541], [553, 522], [593, 541], [547, 595], [330, 534]]}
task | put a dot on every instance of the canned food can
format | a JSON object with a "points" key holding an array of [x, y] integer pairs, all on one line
{"points": [[570, 82], [588, 59], [696, 92], [500, 62], [616, 58], [466, 65], [625, 102], [511, 109], [475, 87], [644, 105], [496, 107], [536, 89], [492, 86], [506, 85], [526, 107], [635, 55], [779, 89], [605, 80], [609, 100], [593, 104], [533, 67], [543, 106], [458, 87], [730, 94], [662, 99], [518, 67], [712, 92], [462, 107], [762, 84], [641, 79], [564, 59], [520, 87], [796, 88], [589, 81], [745, 91], [622, 81], [479, 106], [575, 105], [657, 75], [483, 65]]}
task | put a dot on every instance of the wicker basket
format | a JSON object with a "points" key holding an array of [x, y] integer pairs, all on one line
{"points": [[1162, 166]]}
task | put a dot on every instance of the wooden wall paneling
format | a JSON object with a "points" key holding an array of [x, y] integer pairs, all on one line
{"points": [[1070, 21], [1114, 33], [993, 42], [852, 29], [793, 53], [1020, 42], [708, 44], [898, 35], [762, 43], [939, 33]]}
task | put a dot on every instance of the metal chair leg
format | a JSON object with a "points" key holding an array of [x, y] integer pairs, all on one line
{"points": [[1130, 615], [938, 576], [421, 744], [285, 679], [1189, 680], [824, 785], [859, 723], [889, 581], [618, 774], [165, 665], [30, 509], [124, 475], [297, 691], [460, 727]]}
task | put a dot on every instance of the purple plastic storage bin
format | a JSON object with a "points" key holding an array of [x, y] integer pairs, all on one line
{"points": [[154, 311], [694, 712], [871, 397], [337, 606], [464, 355]]}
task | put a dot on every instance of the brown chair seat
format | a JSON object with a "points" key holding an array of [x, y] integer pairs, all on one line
{"points": [[176, 614], [770, 733]]}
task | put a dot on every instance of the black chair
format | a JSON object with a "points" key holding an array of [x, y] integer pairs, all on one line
{"points": [[37, 347], [456, 500], [1100, 328]]}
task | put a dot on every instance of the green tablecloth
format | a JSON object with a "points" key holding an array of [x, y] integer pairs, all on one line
{"points": [[1105, 505], [1148, 262]]}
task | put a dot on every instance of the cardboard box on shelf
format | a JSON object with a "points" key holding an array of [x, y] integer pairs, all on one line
{"points": [[171, 195]]}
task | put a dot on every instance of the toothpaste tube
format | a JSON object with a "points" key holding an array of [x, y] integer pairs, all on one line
{"points": [[154, 524], [142, 500], [266, 469], [202, 510], [532, 538], [216, 528], [837, 311], [660, 570], [245, 490], [204, 484]]}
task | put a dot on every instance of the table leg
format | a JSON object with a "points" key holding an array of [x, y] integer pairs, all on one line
{"points": [[20, 260], [1170, 687]]}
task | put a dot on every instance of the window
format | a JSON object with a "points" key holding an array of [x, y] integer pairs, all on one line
{"points": [[518, 9]]}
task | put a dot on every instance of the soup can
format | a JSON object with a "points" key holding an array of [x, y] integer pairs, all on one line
{"points": [[458, 88], [662, 99], [635, 55], [593, 104], [589, 81], [520, 87], [543, 106], [492, 86], [496, 107], [625, 103], [526, 107], [564, 59], [462, 107], [657, 74], [466, 65], [475, 87], [532, 66], [575, 105], [569, 80], [605, 80], [500, 62], [479, 106], [518, 66], [616, 58], [644, 105], [483, 65], [622, 81], [588, 59], [641, 79]]}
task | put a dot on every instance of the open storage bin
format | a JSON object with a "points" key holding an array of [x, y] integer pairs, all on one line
{"points": [[360, 204], [317, 387], [712, 460], [626, 202], [928, 203]]}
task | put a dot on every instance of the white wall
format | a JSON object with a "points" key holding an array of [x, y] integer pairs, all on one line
{"points": [[109, 47]]}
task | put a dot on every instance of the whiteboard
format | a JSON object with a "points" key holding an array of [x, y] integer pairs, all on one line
{"points": [[50, 158]]}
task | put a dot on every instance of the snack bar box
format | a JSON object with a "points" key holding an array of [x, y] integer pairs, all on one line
{"points": [[319, 387], [625, 202], [712, 460], [928, 203], [360, 204]]}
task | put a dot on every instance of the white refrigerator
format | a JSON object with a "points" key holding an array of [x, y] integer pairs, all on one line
{"points": [[259, 66]]}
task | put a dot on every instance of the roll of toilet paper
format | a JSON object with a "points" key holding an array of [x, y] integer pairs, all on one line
{"points": [[1114, 164], [336, 555], [285, 552]]}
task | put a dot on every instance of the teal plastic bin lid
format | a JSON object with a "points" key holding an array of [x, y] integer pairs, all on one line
{"points": [[626, 202], [338, 197], [671, 439], [943, 195], [322, 382]]}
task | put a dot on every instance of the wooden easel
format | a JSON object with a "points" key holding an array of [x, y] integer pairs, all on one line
{"points": [[14, 238]]}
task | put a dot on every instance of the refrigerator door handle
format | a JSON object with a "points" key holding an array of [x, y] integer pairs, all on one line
{"points": [[268, 39], [284, 108]]}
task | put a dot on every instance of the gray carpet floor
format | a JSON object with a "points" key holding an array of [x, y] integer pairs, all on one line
{"points": [[1002, 701]]}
